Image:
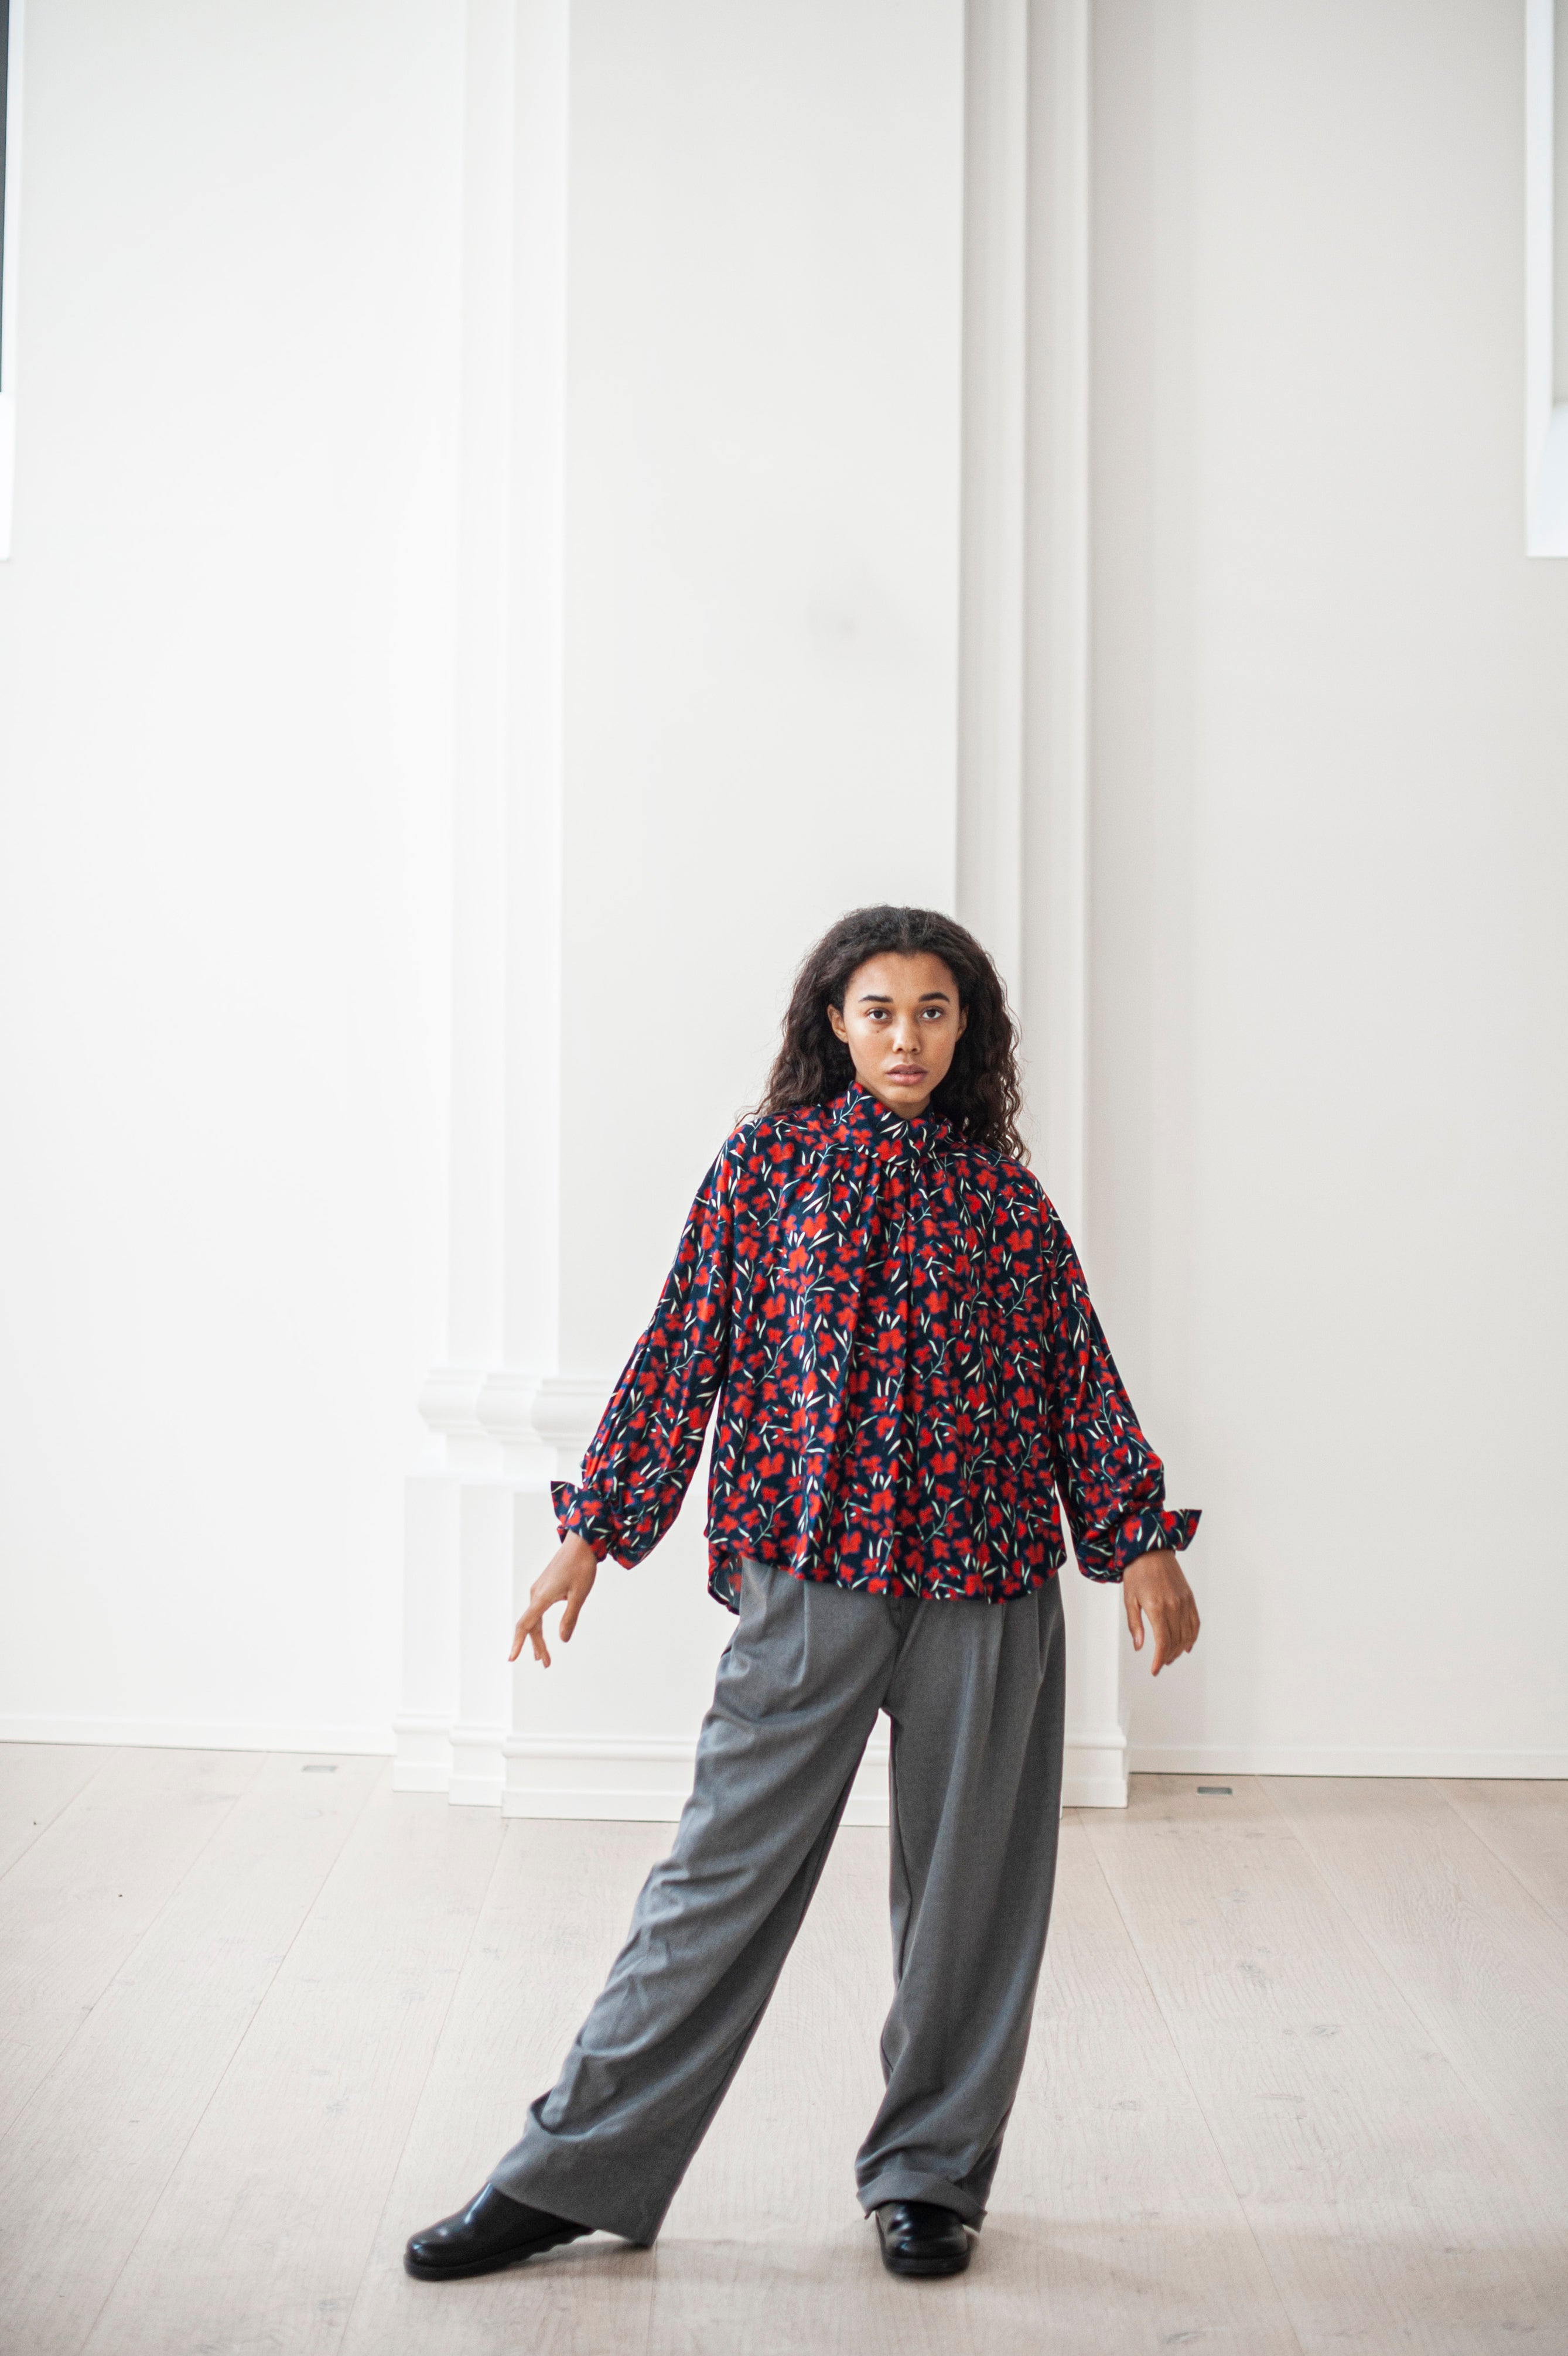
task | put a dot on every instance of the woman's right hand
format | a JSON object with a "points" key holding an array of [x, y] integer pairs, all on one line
{"points": [[567, 1578]]}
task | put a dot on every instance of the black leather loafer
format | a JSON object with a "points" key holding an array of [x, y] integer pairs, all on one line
{"points": [[491, 2232], [920, 2238]]}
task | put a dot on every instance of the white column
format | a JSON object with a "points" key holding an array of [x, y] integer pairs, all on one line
{"points": [[478, 1514], [1060, 756], [1024, 775]]}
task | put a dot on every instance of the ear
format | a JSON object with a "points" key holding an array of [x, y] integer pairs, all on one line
{"points": [[963, 1021], [840, 1029]]}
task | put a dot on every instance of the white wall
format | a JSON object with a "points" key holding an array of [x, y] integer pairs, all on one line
{"points": [[698, 409], [225, 713], [1331, 794]]}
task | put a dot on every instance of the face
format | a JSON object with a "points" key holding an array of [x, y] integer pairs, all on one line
{"points": [[900, 1020]]}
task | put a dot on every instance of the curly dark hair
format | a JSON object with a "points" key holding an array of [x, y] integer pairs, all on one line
{"points": [[980, 1095]]}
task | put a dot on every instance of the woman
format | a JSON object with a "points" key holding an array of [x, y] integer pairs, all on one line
{"points": [[908, 1371]]}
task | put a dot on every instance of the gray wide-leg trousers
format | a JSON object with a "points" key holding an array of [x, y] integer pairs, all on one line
{"points": [[974, 1692]]}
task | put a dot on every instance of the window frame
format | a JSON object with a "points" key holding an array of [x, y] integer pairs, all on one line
{"points": [[1545, 399], [10, 249]]}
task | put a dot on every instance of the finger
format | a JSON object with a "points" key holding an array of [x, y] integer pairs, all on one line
{"points": [[1134, 1619], [522, 1631], [1162, 1652], [542, 1650], [575, 1602]]}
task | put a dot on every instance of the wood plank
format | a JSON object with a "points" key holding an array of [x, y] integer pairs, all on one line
{"points": [[37, 1781], [554, 1919], [1388, 2208], [1526, 1824], [260, 2236], [88, 1889], [1121, 2224], [1482, 1965], [85, 2162], [1112, 2226]]}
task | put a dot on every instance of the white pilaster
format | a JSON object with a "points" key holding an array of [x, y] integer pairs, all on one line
{"points": [[1060, 756], [476, 1513], [1024, 766]]}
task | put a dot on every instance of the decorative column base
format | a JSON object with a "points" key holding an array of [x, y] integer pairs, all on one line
{"points": [[478, 1768], [421, 1759], [421, 1731], [476, 1529], [1094, 1770]]}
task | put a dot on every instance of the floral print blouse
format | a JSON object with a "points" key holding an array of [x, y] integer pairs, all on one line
{"points": [[907, 1366]]}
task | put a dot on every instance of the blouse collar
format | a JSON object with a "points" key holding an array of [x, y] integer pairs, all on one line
{"points": [[861, 1119]]}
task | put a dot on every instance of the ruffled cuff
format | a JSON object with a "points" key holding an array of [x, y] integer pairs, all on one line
{"points": [[1142, 1534], [580, 1513]]}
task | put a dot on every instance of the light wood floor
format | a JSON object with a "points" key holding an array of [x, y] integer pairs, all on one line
{"points": [[1298, 2081]]}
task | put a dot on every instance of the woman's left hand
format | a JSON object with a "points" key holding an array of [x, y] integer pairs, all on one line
{"points": [[1156, 1587]]}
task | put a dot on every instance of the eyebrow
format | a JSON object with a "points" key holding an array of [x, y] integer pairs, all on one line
{"points": [[880, 998]]}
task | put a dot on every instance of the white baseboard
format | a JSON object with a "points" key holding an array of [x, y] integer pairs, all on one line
{"points": [[200, 1734], [647, 1782], [1284, 1759], [643, 1781], [1094, 1769]]}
